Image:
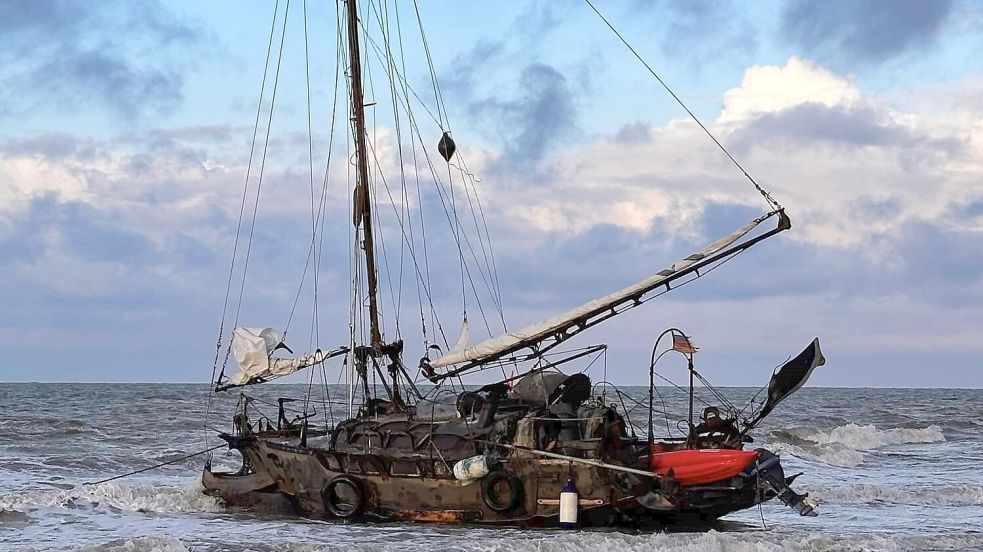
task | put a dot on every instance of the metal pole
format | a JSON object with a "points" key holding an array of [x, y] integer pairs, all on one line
{"points": [[651, 437], [690, 359]]}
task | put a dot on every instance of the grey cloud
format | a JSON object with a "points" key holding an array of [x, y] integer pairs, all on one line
{"points": [[84, 231], [167, 137], [529, 110], [79, 55], [74, 76], [704, 29], [633, 133], [866, 30], [974, 209], [43, 17], [854, 126], [459, 82], [50, 145], [937, 258], [543, 114], [525, 35]]}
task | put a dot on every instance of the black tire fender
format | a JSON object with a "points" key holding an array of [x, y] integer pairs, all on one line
{"points": [[514, 495], [334, 492]]}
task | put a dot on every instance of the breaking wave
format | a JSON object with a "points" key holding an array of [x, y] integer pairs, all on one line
{"points": [[869, 437], [711, 541], [844, 445], [46, 427], [71, 427], [948, 495], [147, 499], [833, 455]]}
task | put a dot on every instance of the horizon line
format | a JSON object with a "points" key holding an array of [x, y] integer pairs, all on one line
{"points": [[4, 382]]}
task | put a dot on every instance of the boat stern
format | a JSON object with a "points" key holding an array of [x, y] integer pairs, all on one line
{"points": [[709, 483]]}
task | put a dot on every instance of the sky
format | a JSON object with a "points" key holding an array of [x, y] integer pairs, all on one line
{"points": [[126, 132]]}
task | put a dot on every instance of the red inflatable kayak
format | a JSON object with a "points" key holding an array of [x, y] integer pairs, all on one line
{"points": [[702, 466]]}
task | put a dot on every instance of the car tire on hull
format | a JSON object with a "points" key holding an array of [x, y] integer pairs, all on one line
{"points": [[501, 491], [343, 497]]}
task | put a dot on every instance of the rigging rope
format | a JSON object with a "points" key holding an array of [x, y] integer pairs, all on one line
{"points": [[155, 466], [406, 199], [315, 329], [242, 208], [262, 169], [382, 15], [771, 201], [494, 290], [491, 279], [433, 73]]}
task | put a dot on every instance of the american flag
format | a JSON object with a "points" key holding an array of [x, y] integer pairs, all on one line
{"points": [[682, 344]]}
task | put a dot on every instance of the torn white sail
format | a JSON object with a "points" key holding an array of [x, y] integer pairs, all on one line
{"points": [[536, 333], [253, 349], [462, 339]]}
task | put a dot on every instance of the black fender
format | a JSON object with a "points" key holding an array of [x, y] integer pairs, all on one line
{"points": [[344, 497], [491, 499]]}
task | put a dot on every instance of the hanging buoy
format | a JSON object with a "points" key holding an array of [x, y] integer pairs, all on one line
{"points": [[568, 505], [446, 146]]}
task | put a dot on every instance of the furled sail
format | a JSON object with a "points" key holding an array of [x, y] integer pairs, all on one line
{"points": [[253, 350], [589, 313], [788, 379]]}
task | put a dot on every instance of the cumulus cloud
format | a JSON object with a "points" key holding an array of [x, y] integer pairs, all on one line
{"points": [[769, 89], [885, 201], [850, 167], [109, 244], [864, 30]]}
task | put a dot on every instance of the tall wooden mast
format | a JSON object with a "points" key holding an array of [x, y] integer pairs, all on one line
{"points": [[362, 207]]}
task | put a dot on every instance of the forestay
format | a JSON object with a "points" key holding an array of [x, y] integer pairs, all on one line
{"points": [[557, 326]]}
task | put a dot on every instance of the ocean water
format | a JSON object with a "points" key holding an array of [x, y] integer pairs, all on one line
{"points": [[893, 469]]}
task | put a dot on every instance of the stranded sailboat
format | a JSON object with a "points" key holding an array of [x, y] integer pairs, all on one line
{"points": [[539, 447]]}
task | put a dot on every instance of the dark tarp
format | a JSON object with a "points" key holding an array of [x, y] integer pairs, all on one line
{"points": [[546, 388], [788, 379]]}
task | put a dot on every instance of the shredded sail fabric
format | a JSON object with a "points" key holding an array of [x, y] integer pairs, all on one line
{"points": [[535, 333], [253, 349]]}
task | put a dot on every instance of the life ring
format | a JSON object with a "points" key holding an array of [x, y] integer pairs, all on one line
{"points": [[343, 497], [501, 491]]}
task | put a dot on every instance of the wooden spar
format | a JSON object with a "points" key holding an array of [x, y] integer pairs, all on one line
{"points": [[573, 459], [362, 207], [551, 337]]}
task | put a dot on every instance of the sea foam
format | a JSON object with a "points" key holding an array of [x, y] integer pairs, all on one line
{"points": [[148, 499], [147, 543]]}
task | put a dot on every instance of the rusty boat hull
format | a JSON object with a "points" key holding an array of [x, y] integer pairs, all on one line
{"points": [[302, 476], [329, 477]]}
